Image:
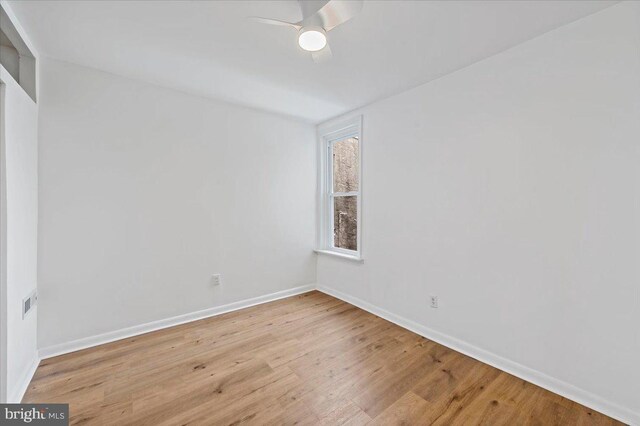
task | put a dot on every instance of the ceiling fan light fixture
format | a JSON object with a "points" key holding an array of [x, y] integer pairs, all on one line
{"points": [[312, 39]]}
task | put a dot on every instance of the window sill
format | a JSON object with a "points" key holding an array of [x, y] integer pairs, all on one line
{"points": [[341, 255]]}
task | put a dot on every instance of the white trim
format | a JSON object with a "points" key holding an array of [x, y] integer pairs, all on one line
{"points": [[327, 135], [3, 250], [340, 255], [538, 378], [16, 396], [100, 339]]}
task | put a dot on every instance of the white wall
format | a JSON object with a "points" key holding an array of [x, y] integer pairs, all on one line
{"points": [[145, 192], [19, 140], [10, 60], [511, 189]]}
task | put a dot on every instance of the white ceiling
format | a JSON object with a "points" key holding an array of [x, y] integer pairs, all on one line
{"points": [[211, 49]]}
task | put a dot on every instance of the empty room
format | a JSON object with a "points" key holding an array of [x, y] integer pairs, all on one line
{"points": [[334, 212]]}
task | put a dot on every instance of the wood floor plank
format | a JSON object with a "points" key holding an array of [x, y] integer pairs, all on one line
{"points": [[410, 409], [307, 359], [347, 414]]}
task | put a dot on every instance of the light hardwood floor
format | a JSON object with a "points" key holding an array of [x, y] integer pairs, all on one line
{"points": [[308, 359]]}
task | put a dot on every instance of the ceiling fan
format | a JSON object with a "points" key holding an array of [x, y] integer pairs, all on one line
{"points": [[318, 18]]}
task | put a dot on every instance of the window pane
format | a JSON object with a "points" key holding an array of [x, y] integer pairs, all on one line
{"points": [[345, 222], [345, 165]]}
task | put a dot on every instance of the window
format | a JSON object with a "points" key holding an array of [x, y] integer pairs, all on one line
{"points": [[341, 185]]}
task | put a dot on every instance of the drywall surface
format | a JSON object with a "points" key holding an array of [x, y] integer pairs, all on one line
{"points": [[20, 227], [10, 60], [146, 192], [511, 190]]}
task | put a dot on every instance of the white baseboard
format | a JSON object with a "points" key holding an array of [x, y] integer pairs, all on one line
{"points": [[540, 379], [15, 395], [124, 333]]}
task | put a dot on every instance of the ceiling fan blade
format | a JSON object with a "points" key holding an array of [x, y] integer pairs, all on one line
{"points": [[334, 13], [310, 7], [270, 21], [322, 55]]}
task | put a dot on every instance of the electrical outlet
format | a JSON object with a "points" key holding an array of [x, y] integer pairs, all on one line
{"points": [[216, 279], [434, 301]]}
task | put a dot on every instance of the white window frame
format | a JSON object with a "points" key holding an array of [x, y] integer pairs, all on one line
{"points": [[327, 136]]}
